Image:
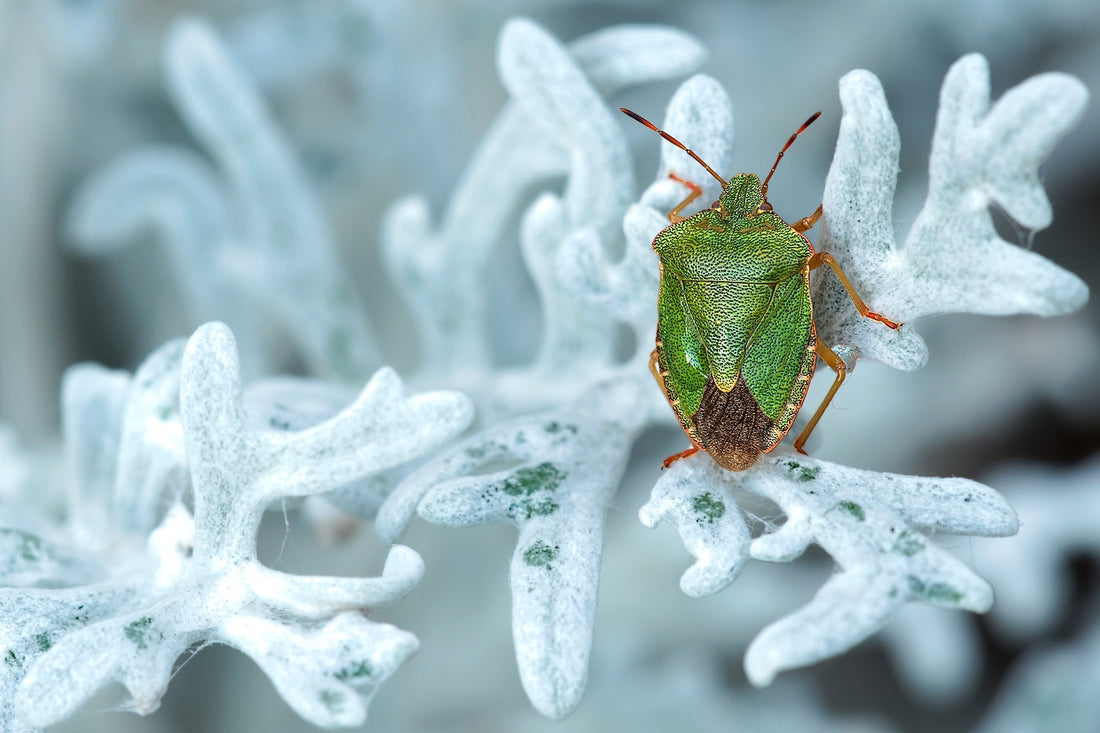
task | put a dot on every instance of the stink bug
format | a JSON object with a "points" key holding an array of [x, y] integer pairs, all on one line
{"points": [[736, 342]]}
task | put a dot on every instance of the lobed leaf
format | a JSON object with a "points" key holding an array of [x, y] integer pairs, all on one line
{"points": [[200, 580], [555, 489], [867, 521], [273, 243], [327, 674], [441, 272], [952, 261], [709, 522]]}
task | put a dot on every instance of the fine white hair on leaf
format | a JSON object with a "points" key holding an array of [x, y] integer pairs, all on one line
{"points": [[952, 260], [151, 473], [556, 491], [717, 538], [869, 522], [200, 580], [555, 434]]}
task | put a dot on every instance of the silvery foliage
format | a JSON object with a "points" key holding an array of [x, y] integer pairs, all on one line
{"points": [[537, 471], [952, 260], [139, 576], [242, 238], [553, 469], [274, 234], [555, 434]]}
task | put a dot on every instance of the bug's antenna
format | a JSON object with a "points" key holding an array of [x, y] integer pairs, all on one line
{"points": [[799, 131], [676, 142]]}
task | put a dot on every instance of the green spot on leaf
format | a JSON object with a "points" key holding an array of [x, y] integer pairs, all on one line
{"points": [[936, 592], [708, 507], [529, 480], [908, 543], [138, 632], [333, 700], [943, 593], [802, 473], [44, 642], [852, 508], [12, 660], [354, 671], [541, 508], [540, 554]]}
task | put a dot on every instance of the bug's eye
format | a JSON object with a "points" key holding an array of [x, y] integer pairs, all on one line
{"points": [[765, 207]]}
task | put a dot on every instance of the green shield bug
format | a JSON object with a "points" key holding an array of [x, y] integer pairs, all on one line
{"points": [[736, 342]]}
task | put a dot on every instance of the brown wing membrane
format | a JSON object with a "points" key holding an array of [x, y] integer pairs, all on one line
{"points": [[731, 425]]}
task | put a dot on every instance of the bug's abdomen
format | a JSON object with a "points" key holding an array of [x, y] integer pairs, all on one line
{"points": [[731, 426]]}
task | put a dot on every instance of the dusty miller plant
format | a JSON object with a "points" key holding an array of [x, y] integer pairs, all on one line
{"points": [[172, 467], [566, 462]]}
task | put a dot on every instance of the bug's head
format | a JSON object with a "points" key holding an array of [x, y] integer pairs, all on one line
{"points": [[742, 197]]}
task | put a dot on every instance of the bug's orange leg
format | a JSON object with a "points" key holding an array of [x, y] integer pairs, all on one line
{"points": [[803, 225], [837, 365], [682, 454], [696, 192], [824, 258]]}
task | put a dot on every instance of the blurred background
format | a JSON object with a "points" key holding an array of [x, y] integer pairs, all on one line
{"points": [[384, 99]]}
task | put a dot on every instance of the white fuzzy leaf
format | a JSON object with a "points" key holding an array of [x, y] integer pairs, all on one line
{"points": [[565, 467], [273, 247], [327, 674], [710, 525], [441, 271], [201, 580], [952, 261], [92, 401], [152, 463], [866, 521]]}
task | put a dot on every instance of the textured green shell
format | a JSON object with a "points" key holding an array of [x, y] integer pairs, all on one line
{"points": [[734, 304]]}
